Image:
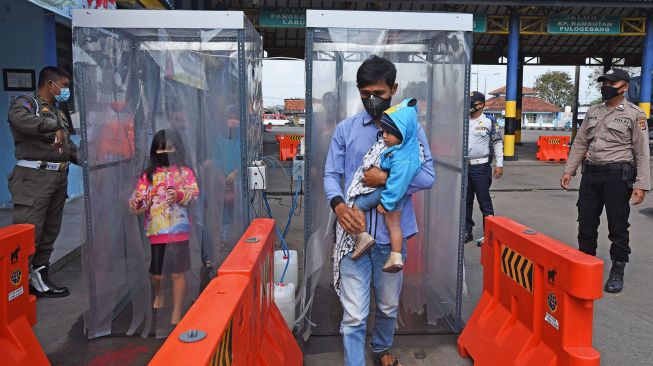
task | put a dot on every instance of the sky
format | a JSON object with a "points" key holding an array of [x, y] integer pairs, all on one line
{"points": [[285, 79]]}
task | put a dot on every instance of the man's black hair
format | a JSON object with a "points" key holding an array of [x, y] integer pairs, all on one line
{"points": [[375, 69], [52, 73]]}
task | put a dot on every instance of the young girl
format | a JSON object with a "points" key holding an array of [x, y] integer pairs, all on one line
{"points": [[163, 193]]}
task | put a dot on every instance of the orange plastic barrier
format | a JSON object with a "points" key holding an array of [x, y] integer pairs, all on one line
{"points": [[553, 148], [242, 323], [537, 302], [288, 146], [18, 344]]}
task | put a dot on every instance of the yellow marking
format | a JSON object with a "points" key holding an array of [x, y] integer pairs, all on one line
{"points": [[647, 108], [511, 109], [529, 269], [517, 267], [223, 355], [509, 145]]}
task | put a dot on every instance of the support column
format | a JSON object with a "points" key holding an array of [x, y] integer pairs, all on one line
{"points": [[520, 96], [50, 40], [647, 68], [607, 63], [574, 108], [511, 88]]}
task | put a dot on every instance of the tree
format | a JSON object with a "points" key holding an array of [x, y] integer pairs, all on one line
{"points": [[598, 71], [556, 88]]}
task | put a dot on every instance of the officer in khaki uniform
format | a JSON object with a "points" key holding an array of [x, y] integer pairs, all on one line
{"points": [[39, 182], [613, 146]]}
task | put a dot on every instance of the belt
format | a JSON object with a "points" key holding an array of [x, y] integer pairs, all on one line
{"points": [[479, 161], [611, 167], [37, 164]]}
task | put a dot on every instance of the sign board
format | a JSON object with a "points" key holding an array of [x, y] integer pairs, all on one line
{"points": [[282, 18], [480, 23], [584, 24], [65, 7]]}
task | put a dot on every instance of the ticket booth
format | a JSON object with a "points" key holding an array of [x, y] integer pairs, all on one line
{"points": [[432, 53], [196, 75]]}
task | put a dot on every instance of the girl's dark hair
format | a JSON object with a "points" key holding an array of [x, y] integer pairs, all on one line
{"points": [[374, 69], [162, 140]]}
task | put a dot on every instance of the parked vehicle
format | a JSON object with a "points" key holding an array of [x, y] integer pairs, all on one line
{"points": [[275, 120]]}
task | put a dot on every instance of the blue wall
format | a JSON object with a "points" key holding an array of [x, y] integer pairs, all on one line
{"points": [[25, 28]]}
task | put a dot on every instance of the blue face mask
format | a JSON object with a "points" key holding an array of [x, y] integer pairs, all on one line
{"points": [[63, 95]]}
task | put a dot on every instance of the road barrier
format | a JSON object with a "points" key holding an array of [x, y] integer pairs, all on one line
{"points": [[235, 320], [18, 344], [537, 302], [553, 148], [288, 146]]}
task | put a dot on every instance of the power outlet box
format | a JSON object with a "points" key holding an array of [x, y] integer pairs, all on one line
{"points": [[257, 176], [298, 168]]}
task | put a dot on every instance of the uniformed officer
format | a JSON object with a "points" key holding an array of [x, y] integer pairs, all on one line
{"points": [[613, 143], [39, 182], [484, 141]]}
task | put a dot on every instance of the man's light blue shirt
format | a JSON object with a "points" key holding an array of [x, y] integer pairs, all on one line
{"points": [[352, 139]]}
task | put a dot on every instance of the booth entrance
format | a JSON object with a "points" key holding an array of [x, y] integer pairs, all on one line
{"points": [[432, 56], [137, 73]]}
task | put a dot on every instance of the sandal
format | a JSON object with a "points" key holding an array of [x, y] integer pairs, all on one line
{"points": [[387, 359]]}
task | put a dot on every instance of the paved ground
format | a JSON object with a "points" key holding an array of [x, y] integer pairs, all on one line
{"points": [[69, 239], [528, 193]]}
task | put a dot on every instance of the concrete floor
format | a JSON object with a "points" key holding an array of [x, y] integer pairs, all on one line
{"points": [[528, 193]]}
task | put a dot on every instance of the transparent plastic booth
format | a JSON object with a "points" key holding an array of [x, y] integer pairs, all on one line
{"points": [[191, 79], [432, 54]]}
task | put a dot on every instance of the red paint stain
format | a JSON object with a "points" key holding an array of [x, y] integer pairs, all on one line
{"points": [[124, 356]]}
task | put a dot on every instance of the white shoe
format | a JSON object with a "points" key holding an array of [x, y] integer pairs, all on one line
{"points": [[364, 241], [395, 263]]}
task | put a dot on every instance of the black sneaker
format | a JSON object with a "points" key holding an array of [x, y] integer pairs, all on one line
{"points": [[468, 237], [615, 281], [41, 286]]}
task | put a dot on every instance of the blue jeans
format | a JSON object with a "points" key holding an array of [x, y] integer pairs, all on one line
{"points": [[366, 202], [356, 277]]}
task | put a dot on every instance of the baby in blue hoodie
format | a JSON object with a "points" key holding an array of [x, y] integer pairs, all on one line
{"points": [[400, 156]]}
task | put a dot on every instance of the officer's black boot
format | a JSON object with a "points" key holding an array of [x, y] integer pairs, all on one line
{"points": [[41, 286], [615, 281], [469, 237]]}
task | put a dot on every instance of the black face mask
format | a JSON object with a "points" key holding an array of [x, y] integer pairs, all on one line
{"points": [[375, 106], [166, 157], [473, 108], [609, 92]]}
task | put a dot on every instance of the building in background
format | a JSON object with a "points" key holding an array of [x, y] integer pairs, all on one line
{"points": [[536, 112], [295, 110]]}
